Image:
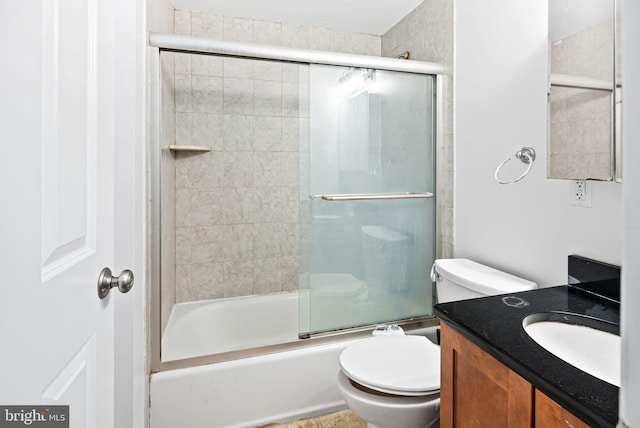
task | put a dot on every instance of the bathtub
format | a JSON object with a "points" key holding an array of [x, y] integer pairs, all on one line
{"points": [[223, 325], [280, 387]]}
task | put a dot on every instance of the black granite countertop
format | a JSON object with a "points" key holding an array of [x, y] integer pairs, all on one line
{"points": [[494, 323]]}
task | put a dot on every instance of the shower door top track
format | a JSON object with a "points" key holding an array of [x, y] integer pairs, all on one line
{"points": [[191, 44]]}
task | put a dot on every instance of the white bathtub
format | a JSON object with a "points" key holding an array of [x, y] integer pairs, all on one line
{"points": [[279, 387], [222, 325], [255, 391]]}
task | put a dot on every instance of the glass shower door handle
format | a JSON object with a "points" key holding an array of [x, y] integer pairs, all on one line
{"points": [[372, 196]]}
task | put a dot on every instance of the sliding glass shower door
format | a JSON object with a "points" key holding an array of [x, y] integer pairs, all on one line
{"points": [[367, 236]]}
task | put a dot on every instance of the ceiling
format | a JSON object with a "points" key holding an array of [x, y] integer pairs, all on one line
{"points": [[360, 16]]}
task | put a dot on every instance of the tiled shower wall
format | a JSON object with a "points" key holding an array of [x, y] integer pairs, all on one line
{"points": [[236, 211], [427, 33]]}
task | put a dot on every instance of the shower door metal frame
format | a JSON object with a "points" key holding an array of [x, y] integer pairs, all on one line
{"points": [[201, 45], [187, 44]]}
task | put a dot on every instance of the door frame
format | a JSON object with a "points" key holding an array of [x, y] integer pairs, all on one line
{"points": [[131, 382]]}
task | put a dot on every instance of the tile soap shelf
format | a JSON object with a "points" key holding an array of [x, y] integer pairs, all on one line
{"points": [[181, 148]]}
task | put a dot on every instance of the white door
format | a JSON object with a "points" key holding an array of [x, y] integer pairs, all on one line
{"points": [[58, 187]]}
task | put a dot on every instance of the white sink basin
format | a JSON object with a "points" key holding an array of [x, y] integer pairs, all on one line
{"points": [[566, 336]]}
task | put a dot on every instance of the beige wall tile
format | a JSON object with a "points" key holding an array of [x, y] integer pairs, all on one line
{"points": [[238, 278], [207, 65], [238, 29], [267, 98], [267, 33], [183, 246], [182, 22], [206, 94], [267, 169], [237, 169], [268, 134], [238, 96], [267, 240], [267, 204], [206, 280], [295, 36], [267, 276], [207, 25], [207, 244], [238, 67], [207, 130], [238, 132], [238, 242], [237, 206], [290, 134], [206, 206], [321, 39], [182, 93], [267, 70]]}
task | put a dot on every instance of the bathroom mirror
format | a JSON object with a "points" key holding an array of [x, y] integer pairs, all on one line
{"points": [[584, 121]]}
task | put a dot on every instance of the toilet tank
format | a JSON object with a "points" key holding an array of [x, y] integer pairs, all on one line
{"points": [[458, 279]]}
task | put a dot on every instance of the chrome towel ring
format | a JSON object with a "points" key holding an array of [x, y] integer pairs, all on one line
{"points": [[526, 155]]}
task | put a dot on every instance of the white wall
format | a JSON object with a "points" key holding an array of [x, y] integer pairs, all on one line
{"points": [[630, 390], [527, 228]]}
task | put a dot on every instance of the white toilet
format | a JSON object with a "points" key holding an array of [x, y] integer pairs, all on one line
{"points": [[393, 381]]}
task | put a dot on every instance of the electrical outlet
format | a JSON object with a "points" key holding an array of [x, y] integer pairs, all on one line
{"points": [[581, 193]]}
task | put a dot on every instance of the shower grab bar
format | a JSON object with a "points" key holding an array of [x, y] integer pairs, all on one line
{"points": [[372, 196]]}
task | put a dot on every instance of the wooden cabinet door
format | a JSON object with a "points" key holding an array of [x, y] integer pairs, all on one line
{"points": [[477, 390], [551, 414]]}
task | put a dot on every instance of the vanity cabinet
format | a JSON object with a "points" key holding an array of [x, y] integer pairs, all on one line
{"points": [[478, 390], [551, 414]]}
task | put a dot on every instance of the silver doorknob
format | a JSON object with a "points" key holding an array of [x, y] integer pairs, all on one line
{"points": [[106, 281]]}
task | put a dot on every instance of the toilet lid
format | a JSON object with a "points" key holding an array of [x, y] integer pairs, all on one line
{"points": [[401, 365]]}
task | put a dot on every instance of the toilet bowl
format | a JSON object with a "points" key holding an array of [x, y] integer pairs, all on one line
{"points": [[393, 381]]}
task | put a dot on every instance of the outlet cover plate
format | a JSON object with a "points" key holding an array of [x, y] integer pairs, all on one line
{"points": [[581, 193]]}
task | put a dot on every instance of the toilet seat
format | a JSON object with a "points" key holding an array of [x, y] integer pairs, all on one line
{"points": [[399, 365]]}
